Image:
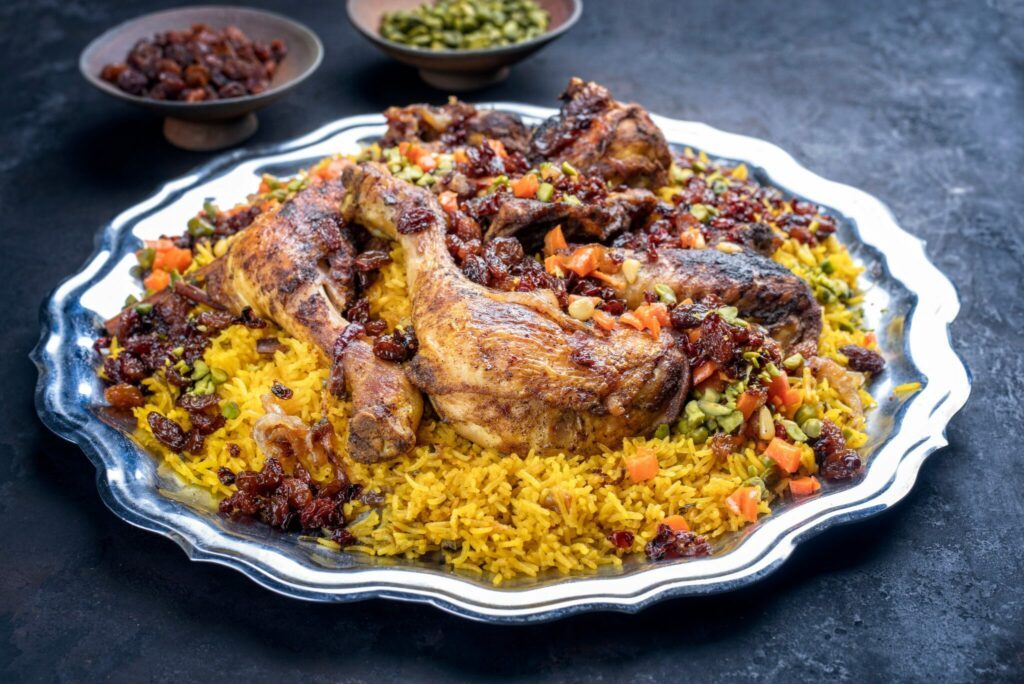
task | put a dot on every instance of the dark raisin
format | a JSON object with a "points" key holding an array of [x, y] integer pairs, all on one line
{"points": [[280, 391], [371, 260], [226, 477], [415, 219], [863, 360], [166, 431], [668, 543]]}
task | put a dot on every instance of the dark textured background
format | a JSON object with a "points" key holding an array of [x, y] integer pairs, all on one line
{"points": [[919, 103]]}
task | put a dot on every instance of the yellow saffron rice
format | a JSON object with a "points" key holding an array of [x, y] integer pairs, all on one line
{"points": [[484, 512]]}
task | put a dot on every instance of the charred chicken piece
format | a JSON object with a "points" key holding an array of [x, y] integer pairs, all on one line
{"points": [[530, 218], [455, 123], [763, 291], [293, 265], [510, 370], [599, 136]]}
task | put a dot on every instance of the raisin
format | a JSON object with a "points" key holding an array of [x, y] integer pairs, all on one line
{"points": [[371, 260], [863, 360], [415, 219], [280, 391], [167, 432], [124, 396]]}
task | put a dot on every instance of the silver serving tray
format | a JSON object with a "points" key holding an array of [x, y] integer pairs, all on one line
{"points": [[908, 301]]}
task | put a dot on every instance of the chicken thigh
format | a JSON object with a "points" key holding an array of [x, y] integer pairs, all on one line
{"points": [[510, 370], [293, 265]]}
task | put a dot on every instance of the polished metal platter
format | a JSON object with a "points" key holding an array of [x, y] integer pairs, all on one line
{"points": [[907, 300]]}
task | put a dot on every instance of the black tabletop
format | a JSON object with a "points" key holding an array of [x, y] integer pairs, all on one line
{"points": [[919, 103]]}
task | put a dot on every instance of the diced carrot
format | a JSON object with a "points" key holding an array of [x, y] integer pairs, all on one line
{"points": [[786, 455], [555, 240], [870, 339], [498, 147], [553, 265], [584, 260], [526, 186], [264, 187], [460, 156], [603, 320], [449, 201], [160, 245], [704, 371], [677, 523], [660, 312], [608, 279], [172, 259], [743, 502], [157, 280], [404, 147], [630, 319], [427, 162], [782, 395], [649, 320], [643, 466], [804, 486], [693, 335], [747, 403]]}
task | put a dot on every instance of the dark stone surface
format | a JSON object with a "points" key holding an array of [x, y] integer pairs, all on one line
{"points": [[921, 104]]}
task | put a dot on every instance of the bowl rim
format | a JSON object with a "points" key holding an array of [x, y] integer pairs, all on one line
{"points": [[515, 48], [921, 420], [170, 105]]}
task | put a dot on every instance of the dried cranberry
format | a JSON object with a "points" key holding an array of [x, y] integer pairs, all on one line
{"points": [[621, 539], [668, 543]]}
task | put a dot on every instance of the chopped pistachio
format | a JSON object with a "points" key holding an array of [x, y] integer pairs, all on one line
{"points": [[665, 293]]}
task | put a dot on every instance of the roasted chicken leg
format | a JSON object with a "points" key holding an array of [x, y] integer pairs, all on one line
{"points": [[763, 291], [294, 266], [510, 370]]}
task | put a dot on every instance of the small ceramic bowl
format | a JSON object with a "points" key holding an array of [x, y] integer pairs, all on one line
{"points": [[460, 70], [218, 123]]}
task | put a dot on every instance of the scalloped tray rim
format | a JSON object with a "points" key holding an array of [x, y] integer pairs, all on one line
{"points": [[944, 394]]}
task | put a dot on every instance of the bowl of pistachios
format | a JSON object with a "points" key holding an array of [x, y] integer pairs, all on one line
{"points": [[460, 45]]}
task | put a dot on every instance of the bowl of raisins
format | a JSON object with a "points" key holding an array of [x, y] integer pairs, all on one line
{"points": [[205, 69]]}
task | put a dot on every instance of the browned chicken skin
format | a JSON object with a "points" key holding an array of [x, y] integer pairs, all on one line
{"points": [[763, 291], [293, 266], [601, 137], [510, 370], [597, 221]]}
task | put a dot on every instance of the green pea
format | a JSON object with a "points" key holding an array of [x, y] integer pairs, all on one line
{"points": [[230, 410], [805, 413], [700, 435], [812, 428], [794, 431]]}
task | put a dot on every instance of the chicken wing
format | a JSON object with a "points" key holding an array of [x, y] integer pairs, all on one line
{"points": [[602, 137], [510, 370], [294, 266]]}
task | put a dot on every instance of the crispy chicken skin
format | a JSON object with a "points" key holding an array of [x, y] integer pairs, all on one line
{"points": [[294, 266], [526, 218], [764, 291], [601, 137], [510, 370]]}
